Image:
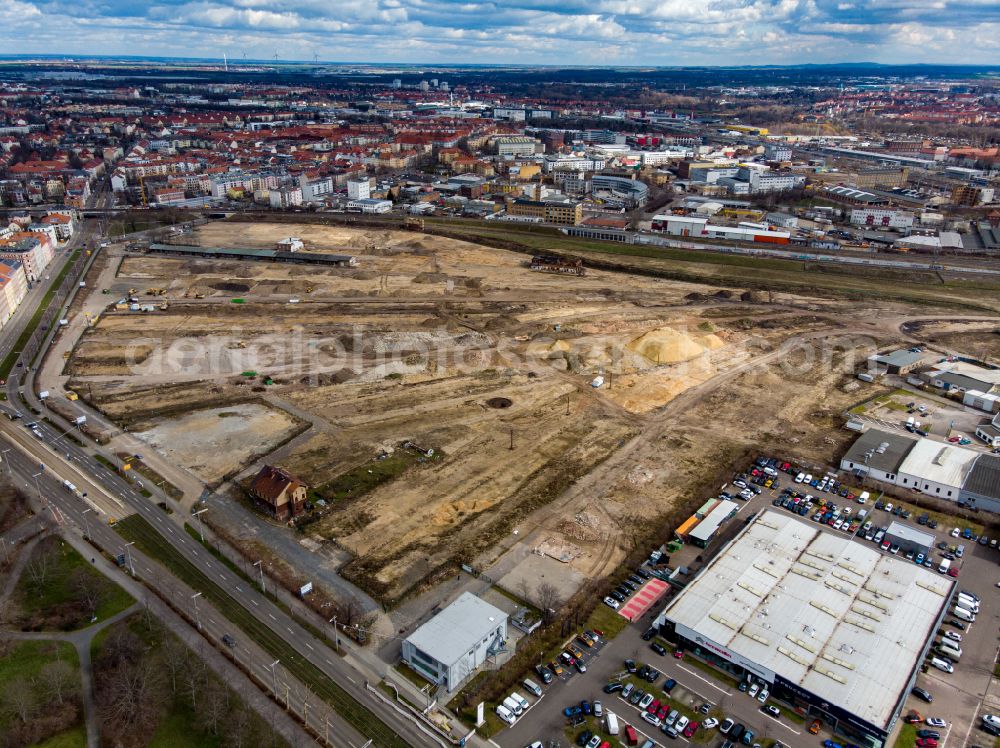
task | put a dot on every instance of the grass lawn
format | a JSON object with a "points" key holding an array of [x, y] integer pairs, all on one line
{"points": [[177, 728], [907, 737], [606, 620], [58, 589], [75, 738], [370, 475]]}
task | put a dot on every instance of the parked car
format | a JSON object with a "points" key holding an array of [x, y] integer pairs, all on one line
{"points": [[658, 648], [771, 711], [921, 694], [726, 726], [544, 673], [814, 727]]}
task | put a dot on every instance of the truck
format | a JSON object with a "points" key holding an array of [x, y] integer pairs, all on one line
{"points": [[945, 565]]}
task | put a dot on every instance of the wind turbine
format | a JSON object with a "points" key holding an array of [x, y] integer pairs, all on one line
{"points": [[315, 58], [244, 55]]}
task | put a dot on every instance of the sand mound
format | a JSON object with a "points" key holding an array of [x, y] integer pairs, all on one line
{"points": [[665, 345]]}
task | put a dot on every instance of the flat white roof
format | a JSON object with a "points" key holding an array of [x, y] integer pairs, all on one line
{"points": [[939, 462], [836, 617], [719, 514], [457, 629]]}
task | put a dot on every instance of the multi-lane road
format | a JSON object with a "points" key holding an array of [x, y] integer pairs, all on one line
{"points": [[40, 465]]}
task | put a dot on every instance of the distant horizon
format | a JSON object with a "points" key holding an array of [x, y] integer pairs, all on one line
{"points": [[240, 60], [559, 33]]}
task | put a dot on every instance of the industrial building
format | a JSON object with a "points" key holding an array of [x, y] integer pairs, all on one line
{"points": [[705, 531], [836, 629], [909, 538], [247, 253], [452, 645], [896, 362], [939, 469]]}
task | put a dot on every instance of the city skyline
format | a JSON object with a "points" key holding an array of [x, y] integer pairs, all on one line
{"points": [[535, 32]]}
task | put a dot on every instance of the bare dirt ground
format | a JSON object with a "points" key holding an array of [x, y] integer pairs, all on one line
{"points": [[974, 337], [460, 348], [210, 442]]}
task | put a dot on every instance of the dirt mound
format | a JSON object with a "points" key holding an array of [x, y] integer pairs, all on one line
{"points": [[723, 294], [754, 296], [430, 278], [665, 345], [230, 287]]}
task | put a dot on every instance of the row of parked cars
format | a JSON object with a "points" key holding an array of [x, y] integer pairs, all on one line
{"points": [[626, 588]]}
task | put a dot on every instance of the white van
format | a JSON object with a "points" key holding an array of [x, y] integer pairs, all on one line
{"points": [[945, 565], [513, 705], [863, 498], [505, 714], [967, 606], [968, 602], [532, 687], [942, 665], [950, 648], [963, 615], [611, 722], [521, 701]]}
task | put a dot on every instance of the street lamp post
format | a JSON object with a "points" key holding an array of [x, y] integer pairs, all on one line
{"points": [[128, 553], [260, 565], [3, 456], [336, 635], [197, 613], [201, 527], [86, 524], [274, 678]]}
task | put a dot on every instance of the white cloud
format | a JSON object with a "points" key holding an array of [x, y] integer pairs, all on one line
{"points": [[637, 32]]}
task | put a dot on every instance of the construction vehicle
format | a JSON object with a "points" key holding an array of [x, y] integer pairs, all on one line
{"points": [[413, 224], [72, 396], [309, 289], [133, 291]]}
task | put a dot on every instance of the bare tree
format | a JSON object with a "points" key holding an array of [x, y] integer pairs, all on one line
{"points": [[174, 656], [239, 730], [193, 678], [90, 591], [38, 567], [19, 699], [523, 589], [213, 706], [548, 597], [59, 680]]}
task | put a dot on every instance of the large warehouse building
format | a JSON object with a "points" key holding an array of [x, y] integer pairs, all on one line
{"points": [[835, 628]]}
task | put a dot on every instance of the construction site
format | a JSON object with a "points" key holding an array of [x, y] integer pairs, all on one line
{"points": [[558, 418]]}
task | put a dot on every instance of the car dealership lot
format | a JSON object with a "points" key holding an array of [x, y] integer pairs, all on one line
{"points": [[957, 696]]}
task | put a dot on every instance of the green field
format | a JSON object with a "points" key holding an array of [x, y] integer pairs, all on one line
{"points": [[59, 589], [11, 358], [148, 540]]}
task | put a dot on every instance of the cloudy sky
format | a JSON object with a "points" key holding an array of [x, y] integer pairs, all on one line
{"points": [[582, 32]]}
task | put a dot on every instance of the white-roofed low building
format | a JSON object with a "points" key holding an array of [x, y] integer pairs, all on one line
{"points": [[936, 468], [835, 628], [452, 645]]}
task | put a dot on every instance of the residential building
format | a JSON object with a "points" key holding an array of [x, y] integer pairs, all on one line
{"points": [[276, 492], [359, 189], [285, 197], [13, 288], [34, 251], [516, 145]]}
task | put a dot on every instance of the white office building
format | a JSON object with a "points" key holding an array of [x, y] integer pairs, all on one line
{"points": [[451, 646]]}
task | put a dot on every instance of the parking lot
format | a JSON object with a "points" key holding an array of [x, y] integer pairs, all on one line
{"points": [[958, 697]]}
